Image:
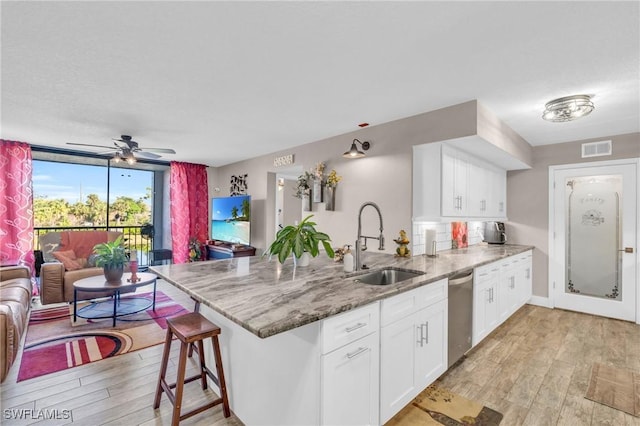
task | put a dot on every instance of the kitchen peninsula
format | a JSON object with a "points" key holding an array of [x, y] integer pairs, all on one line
{"points": [[272, 317]]}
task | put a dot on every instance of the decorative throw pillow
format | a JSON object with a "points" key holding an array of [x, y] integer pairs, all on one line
{"points": [[68, 259], [49, 243]]}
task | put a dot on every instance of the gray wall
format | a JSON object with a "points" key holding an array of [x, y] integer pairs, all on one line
{"points": [[528, 196], [383, 176]]}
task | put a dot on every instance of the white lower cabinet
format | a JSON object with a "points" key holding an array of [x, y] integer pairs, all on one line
{"points": [[499, 290], [508, 291], [350, 383], [350, 367], [485, 302], [413, 348], [431, 343], [525, 276]]}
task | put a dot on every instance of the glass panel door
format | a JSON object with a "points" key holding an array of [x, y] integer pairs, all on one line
{"points": [[592, 263], [593, 236]]}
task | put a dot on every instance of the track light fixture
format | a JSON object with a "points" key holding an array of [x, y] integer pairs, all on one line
{"points": [[354, 152]]}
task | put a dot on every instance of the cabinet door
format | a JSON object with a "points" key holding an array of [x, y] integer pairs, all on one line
{"points": [[455, 175], [431, 343], [479, 190], [449, 202], [507, 295], [397, 366], [497, 197], [485, 306], [525, 277], [350, 383]]}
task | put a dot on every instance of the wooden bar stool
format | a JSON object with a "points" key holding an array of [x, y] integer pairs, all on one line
{"points": [[191, 328]]}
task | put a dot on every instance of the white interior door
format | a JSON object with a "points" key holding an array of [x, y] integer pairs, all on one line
{"points": [[594, 242]]}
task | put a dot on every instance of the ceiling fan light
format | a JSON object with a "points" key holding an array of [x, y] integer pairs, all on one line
{"points": [[568, 108], [117, 157], [131, 159]]}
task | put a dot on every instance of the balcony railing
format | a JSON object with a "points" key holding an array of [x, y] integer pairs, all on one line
{"points": [[132, 236]]}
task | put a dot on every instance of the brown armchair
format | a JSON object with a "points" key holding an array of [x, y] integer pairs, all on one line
{"points": [[56, 279], [15, 302]]}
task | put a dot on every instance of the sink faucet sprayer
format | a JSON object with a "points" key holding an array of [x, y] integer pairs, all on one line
{"points": [[380, 239]]}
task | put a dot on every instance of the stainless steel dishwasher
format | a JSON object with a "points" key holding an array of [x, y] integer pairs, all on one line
{"points": [[460, 314]]}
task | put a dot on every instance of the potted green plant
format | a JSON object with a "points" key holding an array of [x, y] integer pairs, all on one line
{"points": [[112, 257], [299, 239]]}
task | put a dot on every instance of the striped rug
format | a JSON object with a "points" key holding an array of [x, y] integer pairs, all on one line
{"points": [[55, 343]]}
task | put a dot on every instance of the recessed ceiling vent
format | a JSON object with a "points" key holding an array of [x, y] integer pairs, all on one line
{"points": [[596, 149]]}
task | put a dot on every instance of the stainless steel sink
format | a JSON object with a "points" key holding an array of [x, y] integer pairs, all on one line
{"points": [[386, 276]]}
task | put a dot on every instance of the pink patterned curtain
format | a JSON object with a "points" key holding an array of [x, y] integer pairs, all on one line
{"points": [[189, 195], [16, 204]]}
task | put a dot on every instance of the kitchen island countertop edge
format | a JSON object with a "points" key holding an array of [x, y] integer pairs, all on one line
{"points": [[267, 298]]}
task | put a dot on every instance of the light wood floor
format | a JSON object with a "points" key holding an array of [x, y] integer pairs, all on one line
{"points": [[534, 369]]}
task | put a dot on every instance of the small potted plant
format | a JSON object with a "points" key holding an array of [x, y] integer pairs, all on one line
{"points": [[303, 189], [112, 257], [300, 239], [332, 183]]}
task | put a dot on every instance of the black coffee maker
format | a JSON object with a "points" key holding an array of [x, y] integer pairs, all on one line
{"points": [[494, 233]]}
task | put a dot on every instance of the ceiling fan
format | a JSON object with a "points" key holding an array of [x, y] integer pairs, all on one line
{"points": [[128, 150]]}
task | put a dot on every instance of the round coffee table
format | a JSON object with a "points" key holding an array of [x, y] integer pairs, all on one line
{"points": [[99, 284]]}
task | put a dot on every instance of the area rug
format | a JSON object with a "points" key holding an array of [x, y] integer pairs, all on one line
{"points": [[437, 406], [55, 343], [615, 387]]}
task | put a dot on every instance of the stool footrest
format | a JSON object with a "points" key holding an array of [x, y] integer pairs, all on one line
{"points": [[187, 380], [201, 409]]}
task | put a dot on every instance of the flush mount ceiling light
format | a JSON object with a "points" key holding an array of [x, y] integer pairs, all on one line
{"points": [[354, 152], [568, 108]]}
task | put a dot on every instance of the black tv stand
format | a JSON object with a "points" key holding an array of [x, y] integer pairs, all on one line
{"points": [[217, 249]]}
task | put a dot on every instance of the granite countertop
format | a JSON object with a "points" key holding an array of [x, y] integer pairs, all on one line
{"points": [[267, 298]]}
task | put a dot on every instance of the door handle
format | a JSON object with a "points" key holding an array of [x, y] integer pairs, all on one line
{"points": [[627, 250]]}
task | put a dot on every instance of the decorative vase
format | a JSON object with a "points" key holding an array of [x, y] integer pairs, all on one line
{"points": [[330, 204], [317, 192], [133, 267], [303, 260], [113, 273], [307, 200]]}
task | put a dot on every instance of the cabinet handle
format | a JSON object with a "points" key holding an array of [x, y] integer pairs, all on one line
{"points": [[457, 203], [501, 204], [488, 295], [528, 273], [491, 290], [355, 327], [423, 339], [357, 352], [512, 282]]}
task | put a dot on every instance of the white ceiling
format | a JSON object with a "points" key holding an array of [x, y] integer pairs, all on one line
{"points": [[225, 81]]}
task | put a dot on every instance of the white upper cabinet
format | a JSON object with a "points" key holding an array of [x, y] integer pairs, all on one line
{"points": [[451, 184], [455, 182]]}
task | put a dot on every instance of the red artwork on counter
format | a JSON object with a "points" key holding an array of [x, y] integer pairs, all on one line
{"points": [[459, 234]]}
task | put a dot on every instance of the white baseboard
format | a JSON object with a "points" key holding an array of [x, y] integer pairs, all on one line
{"points": [[545, 302]]}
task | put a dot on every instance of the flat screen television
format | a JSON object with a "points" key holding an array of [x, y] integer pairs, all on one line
{"points": [[231, 219]]}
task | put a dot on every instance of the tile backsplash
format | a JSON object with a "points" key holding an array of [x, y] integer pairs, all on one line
{"points": [[443, 235]]}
